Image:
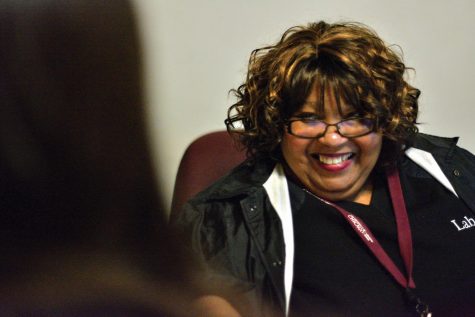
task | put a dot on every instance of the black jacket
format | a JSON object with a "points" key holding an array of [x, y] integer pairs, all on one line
{"points": [[237, 236]]}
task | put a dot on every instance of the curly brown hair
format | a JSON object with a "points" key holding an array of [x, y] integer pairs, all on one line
{"points": [[349, 59]]}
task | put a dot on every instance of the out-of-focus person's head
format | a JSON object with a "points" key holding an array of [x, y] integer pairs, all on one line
{"points": [[76, 172], [346, 60], [72, 137]]}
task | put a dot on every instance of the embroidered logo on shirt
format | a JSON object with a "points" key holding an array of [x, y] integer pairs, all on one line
{"points": [[466, 223]]}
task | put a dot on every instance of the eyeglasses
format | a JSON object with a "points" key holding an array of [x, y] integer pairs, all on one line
{"points": [[311, 127]]}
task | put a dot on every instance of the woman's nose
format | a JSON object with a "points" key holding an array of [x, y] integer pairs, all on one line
{"points": [[332, 137]]}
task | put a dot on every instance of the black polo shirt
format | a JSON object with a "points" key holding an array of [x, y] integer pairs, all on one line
{"points": [[335, 274]]}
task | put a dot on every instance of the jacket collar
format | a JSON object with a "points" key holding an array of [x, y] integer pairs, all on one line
{"points": [[277, 190], [442, 148], [429, 164], [428, 153]]}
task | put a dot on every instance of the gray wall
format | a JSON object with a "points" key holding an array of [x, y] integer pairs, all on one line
{"points": [[195, 51]]}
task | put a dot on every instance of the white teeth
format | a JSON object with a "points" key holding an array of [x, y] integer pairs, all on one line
{"points": [[333, 159]]}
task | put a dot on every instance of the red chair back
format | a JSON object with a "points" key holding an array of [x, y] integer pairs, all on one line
{"points": [[206, 159]]}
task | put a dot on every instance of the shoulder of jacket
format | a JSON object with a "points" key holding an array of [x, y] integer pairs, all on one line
{"points": [[446, 152], [429, 142], [241, 181]]}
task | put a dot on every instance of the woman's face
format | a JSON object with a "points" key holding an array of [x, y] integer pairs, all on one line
{"points": [[332, 166]]}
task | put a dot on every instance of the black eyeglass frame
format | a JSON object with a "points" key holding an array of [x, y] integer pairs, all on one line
{"points": [[288, 123]]}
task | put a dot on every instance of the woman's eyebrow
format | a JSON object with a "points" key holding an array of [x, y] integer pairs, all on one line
{"points": [[346, 110], [351, 113], [307, 114]]}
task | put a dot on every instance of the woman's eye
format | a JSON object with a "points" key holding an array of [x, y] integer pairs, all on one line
{"points": [[308, 117], [311, 121]]}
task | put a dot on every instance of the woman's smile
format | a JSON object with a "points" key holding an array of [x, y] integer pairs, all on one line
{"points": [[334, 162]]}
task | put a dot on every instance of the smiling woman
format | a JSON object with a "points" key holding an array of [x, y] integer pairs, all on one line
{"points": [[343, 208]]}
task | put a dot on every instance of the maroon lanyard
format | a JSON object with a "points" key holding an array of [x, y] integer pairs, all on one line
{"points": [[403, 232], [404, 237]]}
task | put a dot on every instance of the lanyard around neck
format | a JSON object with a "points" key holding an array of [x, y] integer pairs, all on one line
{"points": [[404, 237], [403, 232]]}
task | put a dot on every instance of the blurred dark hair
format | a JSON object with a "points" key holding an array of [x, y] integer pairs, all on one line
{"points": [[347, 59], [76, 170]]}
